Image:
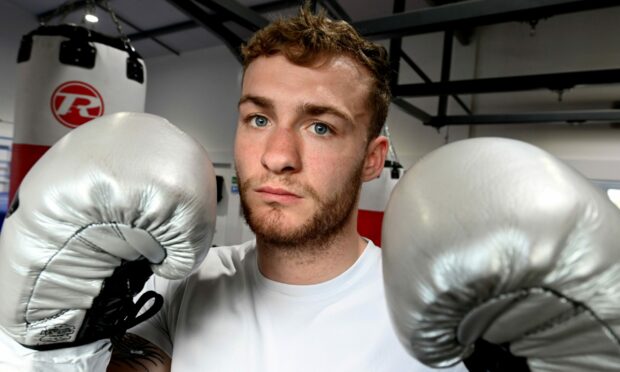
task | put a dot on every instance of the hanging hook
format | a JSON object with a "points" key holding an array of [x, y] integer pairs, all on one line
{"points": [[533, 23], [392, 151], [446, 137]]}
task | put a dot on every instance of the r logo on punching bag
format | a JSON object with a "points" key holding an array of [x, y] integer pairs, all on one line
{"points": [[74, 103], [66, 76]]}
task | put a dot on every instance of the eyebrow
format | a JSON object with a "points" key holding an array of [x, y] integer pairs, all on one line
{"points": [[315, 110], [261, 102], [307, 108]]}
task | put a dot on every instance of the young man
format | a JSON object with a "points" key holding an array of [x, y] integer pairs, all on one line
{"points": [[307, 295]]}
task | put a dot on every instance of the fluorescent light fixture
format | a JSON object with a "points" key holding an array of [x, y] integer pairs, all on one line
{"points": [[614, 196], [89, 17]]}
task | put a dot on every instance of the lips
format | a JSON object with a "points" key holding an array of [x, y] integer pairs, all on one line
{"points": [[276, 191], [277, 194]]}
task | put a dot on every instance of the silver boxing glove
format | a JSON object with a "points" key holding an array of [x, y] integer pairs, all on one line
{"points": [[112, 202], [499, 255]]}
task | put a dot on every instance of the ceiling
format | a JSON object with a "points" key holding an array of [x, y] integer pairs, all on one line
{"points": [[161, 27], [145, 15]]}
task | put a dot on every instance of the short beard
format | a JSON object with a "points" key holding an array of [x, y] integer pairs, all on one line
{"points": [[319, 231]]}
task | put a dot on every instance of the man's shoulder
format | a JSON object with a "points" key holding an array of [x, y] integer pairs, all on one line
{"points": [[226, 260]]}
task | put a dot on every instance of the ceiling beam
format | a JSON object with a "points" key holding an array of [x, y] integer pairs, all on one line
{"points": [[212, 23], [272, 6], [464, 36], [446, 66], [237, 12], [164, 30], [526, 118], [108, 10], [337, 9], [65, 8], [80, 4], [472, 13], [412, 109], [428, 80], [555, 82]]}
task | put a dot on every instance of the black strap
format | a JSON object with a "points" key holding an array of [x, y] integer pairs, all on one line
{"points": [[488, 357], [113, 311], [155, 307]]}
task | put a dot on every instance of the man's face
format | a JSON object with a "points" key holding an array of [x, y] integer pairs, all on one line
{"points": [[301, 147]]}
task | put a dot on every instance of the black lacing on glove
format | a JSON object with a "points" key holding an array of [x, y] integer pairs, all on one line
{"points": [[488, 357], [113, 311]]}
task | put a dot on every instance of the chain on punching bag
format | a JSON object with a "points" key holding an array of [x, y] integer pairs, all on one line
{"points": [[68, 75]]}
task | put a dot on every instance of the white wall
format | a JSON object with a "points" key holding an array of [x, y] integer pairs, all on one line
{"points": [[571, 42], [198, 91], [410, 137]]}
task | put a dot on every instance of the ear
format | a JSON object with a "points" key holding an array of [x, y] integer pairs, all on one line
{"points": [[375, 158]]}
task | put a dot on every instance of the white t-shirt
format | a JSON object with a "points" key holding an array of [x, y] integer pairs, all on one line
{"points": [[229, 317]]}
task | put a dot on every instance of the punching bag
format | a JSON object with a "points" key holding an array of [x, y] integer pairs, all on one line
{"points": [[373, 200], [68, 75]]}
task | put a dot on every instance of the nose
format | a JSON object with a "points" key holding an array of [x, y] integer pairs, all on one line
{"points": [[282, 151]]}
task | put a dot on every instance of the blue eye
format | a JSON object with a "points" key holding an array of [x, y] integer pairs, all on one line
{"points": [[260, 121], [320, 129]]}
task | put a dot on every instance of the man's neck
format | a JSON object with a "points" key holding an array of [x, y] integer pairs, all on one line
{"points": [[310, 265]]}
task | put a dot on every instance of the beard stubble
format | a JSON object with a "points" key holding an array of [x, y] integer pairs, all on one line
{"points": [[331, 214]]}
